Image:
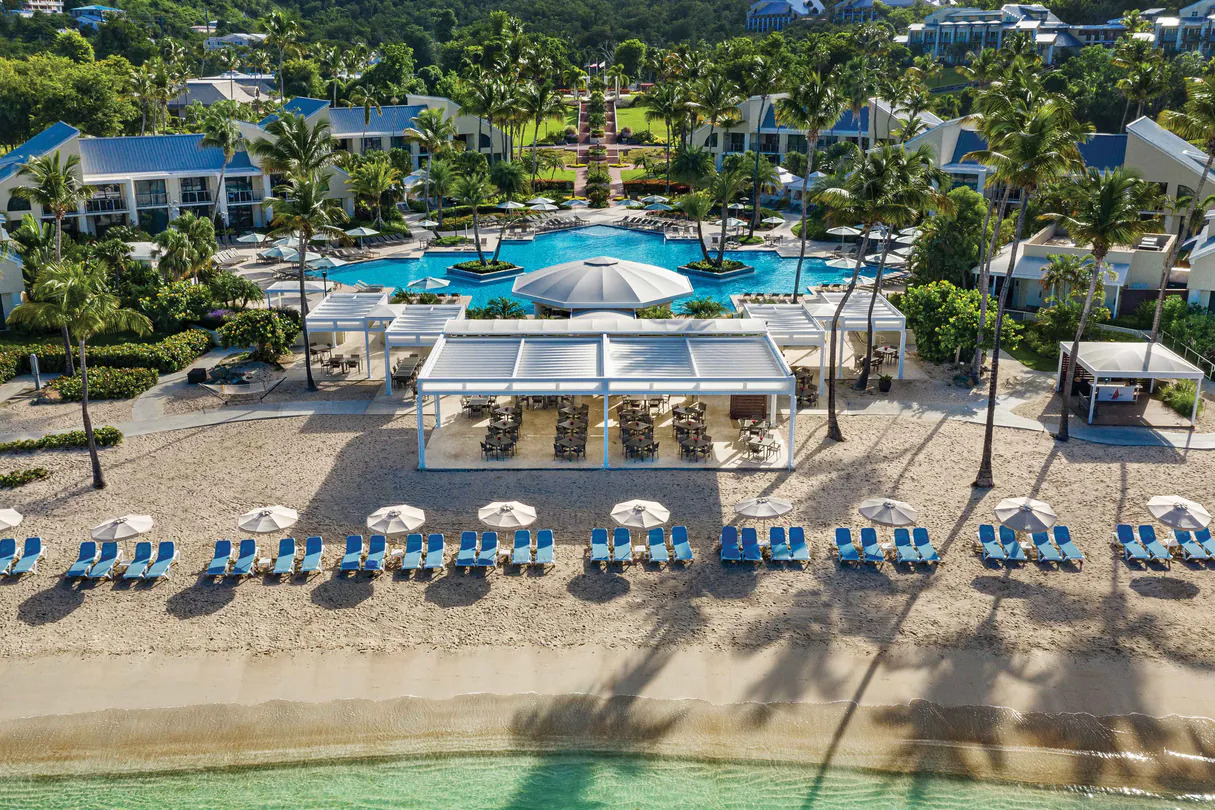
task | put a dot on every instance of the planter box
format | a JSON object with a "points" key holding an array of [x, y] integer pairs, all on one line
{"points": [[692, 271], [482, 278]]}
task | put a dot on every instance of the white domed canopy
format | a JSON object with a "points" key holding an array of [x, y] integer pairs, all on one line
{"points": [[602, 282]]}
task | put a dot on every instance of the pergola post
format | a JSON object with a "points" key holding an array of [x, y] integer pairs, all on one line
{"points": [[1059, 373], [1197, 396], [607, 464], [420, 405], [438, 412], [1092, 401], [792, 425], [367, 349], [902, 349], [822, 370], [387, 367]]}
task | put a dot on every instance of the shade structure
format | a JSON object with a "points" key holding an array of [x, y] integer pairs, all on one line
{"points": [[266, 519], [362, 231], [633, 204], [602, 282], [121, 528], [287, 241], [1026, 514], [654, 198], [841, 264], [251, 239], [428, 283], [507, 515], [510, 205], [905, 240], [658, 207], [575, 204], [395, 519], [734, 222], [294, 255], [1177, 512], [773, 220], [762, 507], [324, 237], [844, 230], [639, 514], [10, 518], [540, 201], [736, 206], [326, 263], [912, 231], [888, 511], [544, 207], [428, 223], [277, 252]]}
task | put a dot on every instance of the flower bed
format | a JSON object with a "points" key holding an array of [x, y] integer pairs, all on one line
{"points": [[106, 383], [171, 354], [104, 436], [726, 269], [490, 271]]}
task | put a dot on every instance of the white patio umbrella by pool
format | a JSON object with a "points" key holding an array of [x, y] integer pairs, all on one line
{"points": [[287, 241], [844, 230], [294, 255], [122, 528], [888, 511], [10, 518], [654, 198], [507, 514], [1177, 512], [395, 519], [510, 205], [659, 207], [325, 263], [575, 204], [540, 201], [638, 514], [841, 264], [734, 222], [763, 508], [276, 252], [633, 204], [267, 519], [429, 283], [773, 220], [736, 206], [428, 223], [905, 240], [323, 237], [544, 207], [251, 238], [1026, 514], [360, 232]]}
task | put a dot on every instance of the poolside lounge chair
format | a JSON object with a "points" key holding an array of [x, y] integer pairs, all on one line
{"points": [[487, 557], [845, 549], [28, 564], [544, 548], [987, 545], [521, 553], [314, 548], [466, 557], [111, 555], [1063, 539], [434, 553], [729, 544], [377, 547], [751, 552], [352, 560], [1046, 549], [220, 560], [657, 542], [1204, 539], [88, 555], [166, 553], [8, 553], [1190, 549], [246, 558], [680, 544], [411, 560], [1132, 549], [798, 550], [1012, 547], [778, 545], [871, 549], [140, 562], [622, 546], [1147, 536], [923, 545], [903, 549], [284, 563], [599, 546]]}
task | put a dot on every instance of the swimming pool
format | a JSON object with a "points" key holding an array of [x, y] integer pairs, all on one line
{"points": [[772, 273]]}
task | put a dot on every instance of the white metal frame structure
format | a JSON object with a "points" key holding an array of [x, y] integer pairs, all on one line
{"points": [[792, 325], [1144, 361], [855, 318]]}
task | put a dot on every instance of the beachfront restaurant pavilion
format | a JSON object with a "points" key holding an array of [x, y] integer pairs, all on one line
{"points": [[1109, 376]]}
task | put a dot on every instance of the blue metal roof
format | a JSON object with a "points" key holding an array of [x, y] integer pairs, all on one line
{"points": [[347, 121], [155, 153], [968, 141], [770, 7], [1104, 152], [846, 123], [299, 105], [45, 141]]}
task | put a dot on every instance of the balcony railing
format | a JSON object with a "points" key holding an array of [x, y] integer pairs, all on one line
{"points": [[151, 198], [238, 196], [104, 205], [195, 197]]}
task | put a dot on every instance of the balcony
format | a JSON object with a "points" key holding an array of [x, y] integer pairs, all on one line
{"points": [[151, 199], [105, 205], [195, 197], [243, 196]]}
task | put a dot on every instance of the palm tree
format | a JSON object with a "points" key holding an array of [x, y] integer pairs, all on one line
{"points": [[540, 101], [360, 96], [697, 207], [1144, 82], [332, 62], [295, 148], [722, 187], [511, 180], [615, 73], [220, 132], [717, 97], [854, 86], [143, 91], [440, 176], [1104, 212], [303, 208], [434, 130], [503, 308], [764, 79], [691, 165], [282, 34], [665, 103], [77, 297], [474, 190], [57, 186], [371, 180], [186, 247], [812, 105]]}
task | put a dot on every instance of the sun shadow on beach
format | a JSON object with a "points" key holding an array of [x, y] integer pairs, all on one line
{"points": [[341, 593], [51, 605], [1164, 588], [202, 598], [598, 586], [457, 590]]}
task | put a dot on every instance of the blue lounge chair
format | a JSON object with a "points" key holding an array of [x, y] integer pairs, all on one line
{"points": [[1046, 549], [599, 546], [729, 544], [314, 548], [870, 546], [284, 563], [1202, 537], [928, 552], [751, 552], [680, 544], [1132, 549], [466, 557], [1012, 547], [411, 560], [521, 554], [1147, 536], [246, 558], [111, 554], [1063, 539], [28, 564], [778, 545], [140, 562], [166, 553], [352, 560], [622, 546], [487, 557], [377, 547], [903, 549], [8, 553], [845, 549], [1191, 549], [84, 560], [434, 552], [798, 549], [544, 547], [220, 560], [988, 547], [657, 540]]}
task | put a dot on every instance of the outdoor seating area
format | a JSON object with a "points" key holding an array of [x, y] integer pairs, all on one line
{"points": [[502, 436], [1110, 377]]}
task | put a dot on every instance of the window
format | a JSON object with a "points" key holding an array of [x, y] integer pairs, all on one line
{"points": [[194, 191], [150, 193], [106, 198], [241, 190], [737, 139], [398, 142], [18, 204], [372, 145]]}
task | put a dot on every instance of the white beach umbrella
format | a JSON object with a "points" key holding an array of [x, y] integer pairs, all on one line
{"points": [[323, 237], [362, 231], [544, 207], [276, 252], [773, 220], [844, 230], [733, 222], [294, 255], [507, 515], [763, 507], [540, 201], [287, 241], [654, 198], [267, 519], [325, 263], [659, 207], [575, 204], [429, 283], [428, 223], [10, 518], [638, 514], [905, 240], [888, 511], [633, 204], [122, 528], [251, 238], [841, 264], [1026, 514], [1177, 512], [395, 519], [510, 205], [912, 232]]}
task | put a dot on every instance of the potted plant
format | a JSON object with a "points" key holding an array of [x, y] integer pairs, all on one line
{"points": [[884, 383]]}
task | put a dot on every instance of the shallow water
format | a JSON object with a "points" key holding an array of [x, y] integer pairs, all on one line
{"points": [[772, 273], [524, 781]]}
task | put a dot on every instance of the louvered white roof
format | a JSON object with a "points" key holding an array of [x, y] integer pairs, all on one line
{"points": [[420, 324], [348, 312], [855, 317], [788, 324], [610, 325]]}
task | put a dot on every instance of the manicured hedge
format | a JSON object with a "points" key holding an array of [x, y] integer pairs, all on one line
{"points": [[652, 186], [107, 383], [490, 266], [104, 436], [171, 354], [19, 478], [552, 184]]}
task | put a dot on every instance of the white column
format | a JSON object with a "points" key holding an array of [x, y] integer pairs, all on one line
{"points": [[1092, 401], [822, 372], [792, 425], [1059, 373], [1197, 396], [367, 349], [839, 361], [606, 410], [438, 413], [387, 367], [128, 190], [902, 349], [420, 405], [772, 408]]}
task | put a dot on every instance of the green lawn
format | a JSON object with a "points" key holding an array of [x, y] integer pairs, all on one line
{"points": [[560, 174], [1032, 359], [634, 119], [553, 125], [948, 76], [632, 174]]}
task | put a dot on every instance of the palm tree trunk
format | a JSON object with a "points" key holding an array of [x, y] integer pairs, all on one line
{"points": [[1098, 260], [440, 209], [668, 145], [862, 382], [988, 252], [721, 244], [98, 478], [477, 236], [536, 153], [700, 240], [1125, 112], [763, 99], [68, 368], [812, 143], [219, 192], [1171, 258], [303, 251], [833, 425], [501, 236], [143, 117]]}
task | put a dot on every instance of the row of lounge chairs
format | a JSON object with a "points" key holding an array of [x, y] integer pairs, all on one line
{"points": [[744, 546], [486, 552], [910, 547], [103, 562], [642, 223], [656, 550], [13, 564], [1142, 545], [1008, 549]]}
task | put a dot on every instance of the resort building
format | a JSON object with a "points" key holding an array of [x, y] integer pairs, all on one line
{"points": [[94, 16], [1200, 274], [1190, 30], [209, 91], [859, 11], [777, 15], [234, 41], [41, 7]]}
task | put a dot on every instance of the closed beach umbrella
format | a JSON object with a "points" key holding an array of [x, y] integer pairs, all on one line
{"points": [[1177, 512], [773, 220], [638, 514], [251, 238], [540, 201], [654, 198], [888, 511], [1026, 514], [763, 508], [507, 515], [267, 519], [122, 528], [575, 204], [428, 283], [658, 207], [544, 207], [395, 519], [360, 232]]}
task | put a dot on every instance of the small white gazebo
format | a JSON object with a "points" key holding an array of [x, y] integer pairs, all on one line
{"points": [[1108, 363], [602, 283]]}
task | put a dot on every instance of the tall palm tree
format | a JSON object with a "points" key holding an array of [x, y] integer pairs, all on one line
{"points": [[303, 208], [812, 105], [220, 132], [282, 35], [295, 148], [360, 96], [440, 176], [1103, 211], [854, 85], [474, 190], [691, 165], [615, 73], [58, 187], [371, 180], [765, 77], [511, 181], [697, 206], [1142, 83], [717, 97], [78, 297], [434, 130], [665, 102], [722, 187], [186, 247], [332, 61], [540, 101], [143, 92]]}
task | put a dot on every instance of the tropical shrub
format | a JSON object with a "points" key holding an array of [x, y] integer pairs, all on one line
{"points": [[712, 267], [1058, 322], [1179, 395], [490, 266], [500, 308], [598, 196], [268, 332], [645, 186], [19, 478], [545, 184], [173, 305], [945, 320], [104, 436], [106, 383], [658, 312], [450, 241], [704, 308], [173, 353], [232, 290]]}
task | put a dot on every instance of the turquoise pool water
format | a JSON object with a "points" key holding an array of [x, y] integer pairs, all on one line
{"points": [[772, 273], [576, 781]]}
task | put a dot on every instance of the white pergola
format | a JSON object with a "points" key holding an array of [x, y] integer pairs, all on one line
{"points": [[1109, 360], [286, 287], [648, 357], [792, 325]]}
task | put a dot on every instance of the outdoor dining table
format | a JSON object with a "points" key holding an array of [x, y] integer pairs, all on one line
{"points": [[764, 447], [507, 410], [689, 424], [572, 424], [567, 444], [700, 444], [685, 410], [499, 442], [503, 425], [636, 424]]}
